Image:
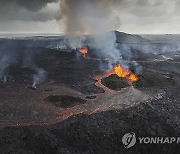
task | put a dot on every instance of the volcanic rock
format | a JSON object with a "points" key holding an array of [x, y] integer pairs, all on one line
{"points": [[115, 83], [64, 101]]}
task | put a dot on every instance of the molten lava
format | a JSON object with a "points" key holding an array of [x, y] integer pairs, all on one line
{"points": [[120, 71], [125, 73], [84, 51], [132, 77]]}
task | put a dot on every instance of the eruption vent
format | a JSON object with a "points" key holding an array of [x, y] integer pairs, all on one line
{"points": [[120, 71], [84, 51], [125, 73]]}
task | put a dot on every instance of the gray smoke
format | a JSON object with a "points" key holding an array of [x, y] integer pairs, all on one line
{"points": [[39, 77], [89, 16], [5, 62], [13, 56], [97, 18], [28, 61], [105, 44], [7, 59]]}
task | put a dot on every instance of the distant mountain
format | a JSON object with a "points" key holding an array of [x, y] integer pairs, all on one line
{"points": [[128, 38]]}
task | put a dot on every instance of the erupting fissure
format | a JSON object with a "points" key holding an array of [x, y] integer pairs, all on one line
{"points": [[125, 73]]}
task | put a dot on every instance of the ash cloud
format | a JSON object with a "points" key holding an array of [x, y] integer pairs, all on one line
{"points": [[89, 16]]}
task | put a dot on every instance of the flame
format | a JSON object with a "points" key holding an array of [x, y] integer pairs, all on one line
{"points": [[120, 71], [132, 78], [125, 73], [84, 51]]}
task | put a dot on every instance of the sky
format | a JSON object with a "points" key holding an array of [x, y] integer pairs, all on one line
{"points": [[135, 16]]}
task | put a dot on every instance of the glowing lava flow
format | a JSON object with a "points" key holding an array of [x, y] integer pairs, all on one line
{"points": [[125, 73], [98, 83], [84, 51]]}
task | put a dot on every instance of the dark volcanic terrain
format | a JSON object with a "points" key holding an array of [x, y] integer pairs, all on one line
{"points": [[80, 109]]}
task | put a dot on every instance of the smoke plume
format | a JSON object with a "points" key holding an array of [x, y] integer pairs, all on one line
{"points": [[97, 18], [14, 56], [89, 16]]}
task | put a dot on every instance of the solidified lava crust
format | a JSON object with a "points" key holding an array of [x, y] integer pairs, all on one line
{"points": [[115, 83], [65, 101]]}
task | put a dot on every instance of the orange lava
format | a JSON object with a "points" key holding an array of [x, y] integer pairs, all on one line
{"points": [[125, 73], [120, 71], [84, 51], [132, 77]]}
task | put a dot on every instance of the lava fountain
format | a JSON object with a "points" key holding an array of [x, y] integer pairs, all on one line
{"points": [[125, 73]]}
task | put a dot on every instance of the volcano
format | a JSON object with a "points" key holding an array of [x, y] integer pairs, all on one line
{"points": [[79, 108]]}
